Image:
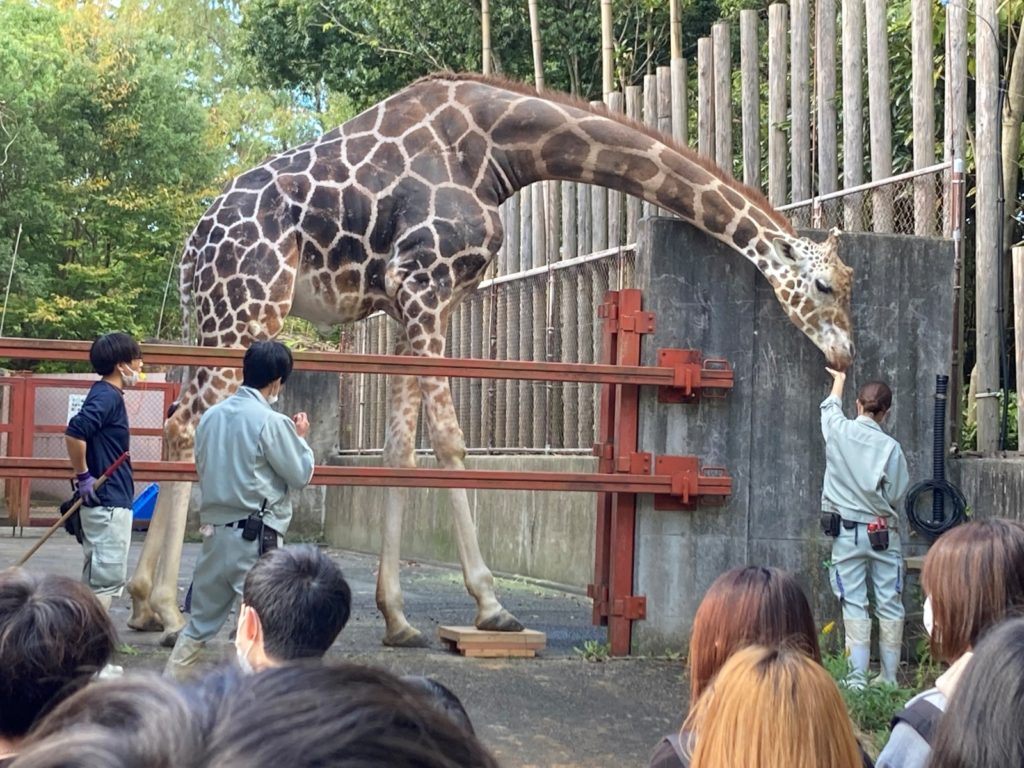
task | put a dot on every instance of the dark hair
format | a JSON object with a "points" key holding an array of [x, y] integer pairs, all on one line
{"points": [[146, 710], [748, 606], [302, 599], [441, 698], [303, 715], [207, 695], [981, 725], [109, 351], [265, 361], [875, 396], [85, 747], [974, 575], [54, 637]]}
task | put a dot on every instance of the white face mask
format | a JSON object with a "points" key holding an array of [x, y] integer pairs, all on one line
{"points": [[272, 399], [131, 378], [926, 616]]}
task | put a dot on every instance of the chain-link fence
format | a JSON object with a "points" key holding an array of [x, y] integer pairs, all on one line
{"points": [[543, 314], [912, 203]]}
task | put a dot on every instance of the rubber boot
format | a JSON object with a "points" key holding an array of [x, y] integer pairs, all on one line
{"points": [[858, 649], [890, 649], [183, 658]]}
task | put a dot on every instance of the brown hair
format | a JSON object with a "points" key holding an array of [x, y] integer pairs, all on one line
{"points": [[748, 606], [772, 707], [54, 637], [875, 396], [974, 575]]}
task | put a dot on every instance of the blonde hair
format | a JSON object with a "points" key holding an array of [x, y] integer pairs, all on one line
{"points": [[772, 708]]}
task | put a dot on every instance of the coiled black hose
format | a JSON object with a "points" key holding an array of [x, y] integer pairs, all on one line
{"points": [[941, 490]]}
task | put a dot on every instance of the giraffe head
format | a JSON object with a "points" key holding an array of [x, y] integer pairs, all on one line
{"points": [[813, 285]]}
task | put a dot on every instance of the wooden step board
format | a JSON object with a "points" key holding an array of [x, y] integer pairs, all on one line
{"points": [[470, 641]]}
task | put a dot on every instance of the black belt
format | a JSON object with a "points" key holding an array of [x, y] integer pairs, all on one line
{"points": [[235, 524]]}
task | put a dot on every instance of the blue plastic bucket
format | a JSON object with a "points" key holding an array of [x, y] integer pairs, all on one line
{"points": [[145, 503]]}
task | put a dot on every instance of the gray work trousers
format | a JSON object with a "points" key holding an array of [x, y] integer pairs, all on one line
{"points": [[106, 536], [220, 573]]}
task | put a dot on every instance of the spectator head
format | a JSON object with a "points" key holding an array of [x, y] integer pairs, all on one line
{"points": [[748, 606], [54, 638], [85, 747], [114, 349], [207, 695], [875, 398], [295, 601], [264, 363], [771, 707], [981, 727], [974, 578], [149, 713], [441, 698], [304, 715]]}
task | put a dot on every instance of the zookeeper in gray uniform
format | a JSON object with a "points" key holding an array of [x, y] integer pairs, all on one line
{"points": [[865, 476], [248, 458]]}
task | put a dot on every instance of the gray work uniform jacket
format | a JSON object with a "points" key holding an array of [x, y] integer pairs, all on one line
{"points": [[865, 469], [247, 452]]}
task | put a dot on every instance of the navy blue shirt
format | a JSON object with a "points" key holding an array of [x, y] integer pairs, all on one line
{"points": [[103, 425]]}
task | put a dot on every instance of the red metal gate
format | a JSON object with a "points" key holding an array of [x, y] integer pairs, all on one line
{"points": [[677, 482]]}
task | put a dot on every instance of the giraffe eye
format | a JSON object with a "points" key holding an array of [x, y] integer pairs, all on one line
{"points": [[822, 286]]}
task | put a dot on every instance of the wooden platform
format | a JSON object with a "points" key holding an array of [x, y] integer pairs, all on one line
{"points": [[470, 641]]}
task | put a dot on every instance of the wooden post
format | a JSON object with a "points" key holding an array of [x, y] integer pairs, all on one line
{"points": [[955, 144], [705, 98], [924, 117], [778, 24], [1018, 323], [751, 99], [825, 83], [853, 105], [879, 110], [607, 48], [634, 205], [675, 33], [616, 105], [650, 119], [987, 251], [800, 104], [721, 47], [680, 119], [485, 35], [599, 208]]}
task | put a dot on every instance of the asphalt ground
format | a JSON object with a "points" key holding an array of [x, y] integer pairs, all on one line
{"points": [[557, 709]]}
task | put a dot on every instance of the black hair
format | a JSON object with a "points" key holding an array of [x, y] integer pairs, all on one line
{"points": [[441, 698], [302, 599], [981, 725], [264, 362], [876, 397], [54, 637], [108, 352], [147, 712], [305, 715]]}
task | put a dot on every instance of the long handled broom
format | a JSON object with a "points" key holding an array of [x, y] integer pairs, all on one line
{"points": [[74, 508]]}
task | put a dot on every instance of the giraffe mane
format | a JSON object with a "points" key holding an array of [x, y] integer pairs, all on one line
{"points": [[559, 97]]}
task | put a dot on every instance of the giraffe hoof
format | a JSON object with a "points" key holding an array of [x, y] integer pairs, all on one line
{"points": [[502, 621], [169, 639], [406, 638], [146, 623]]}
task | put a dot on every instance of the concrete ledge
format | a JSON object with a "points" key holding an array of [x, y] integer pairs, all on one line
{"points": [[537, 534], [993, 487]]}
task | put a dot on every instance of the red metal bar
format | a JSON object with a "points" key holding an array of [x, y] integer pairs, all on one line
{"points": [[624, 607], [169, 471], [346, 362]]}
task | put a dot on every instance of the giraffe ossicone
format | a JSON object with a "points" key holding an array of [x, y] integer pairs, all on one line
{"points": [[397, 211]]}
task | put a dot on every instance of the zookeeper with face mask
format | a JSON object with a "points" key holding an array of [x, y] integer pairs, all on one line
{"points": [[248, 458], [95, 438]]}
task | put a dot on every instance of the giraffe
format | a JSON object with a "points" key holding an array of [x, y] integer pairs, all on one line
{"points": [[397, 211]]}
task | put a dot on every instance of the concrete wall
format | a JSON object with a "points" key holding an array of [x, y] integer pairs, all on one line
{"points": [[767, 431], [541, 534], [993, 487], [317, 395]]}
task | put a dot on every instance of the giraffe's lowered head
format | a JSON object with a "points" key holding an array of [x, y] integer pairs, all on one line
{"points": [[813, 285]]}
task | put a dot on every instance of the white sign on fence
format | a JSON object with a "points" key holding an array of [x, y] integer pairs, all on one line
{"points": [[75, 404]]}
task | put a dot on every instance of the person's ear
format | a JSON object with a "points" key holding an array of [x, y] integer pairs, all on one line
{"points": [[250, 629]]}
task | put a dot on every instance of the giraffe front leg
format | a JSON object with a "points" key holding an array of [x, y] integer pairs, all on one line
{"points": [[449, 447], [398, 452]]}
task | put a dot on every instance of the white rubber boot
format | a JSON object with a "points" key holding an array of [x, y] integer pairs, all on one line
{"points": [[184, 656], [890, 648], [858, 649]]}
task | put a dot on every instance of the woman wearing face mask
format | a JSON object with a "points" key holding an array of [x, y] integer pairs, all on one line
{"points": [[973, 577], [95, 437]]}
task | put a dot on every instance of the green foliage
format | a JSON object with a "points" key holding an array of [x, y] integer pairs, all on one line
{"points": [[593, 651], [969, 426]]}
